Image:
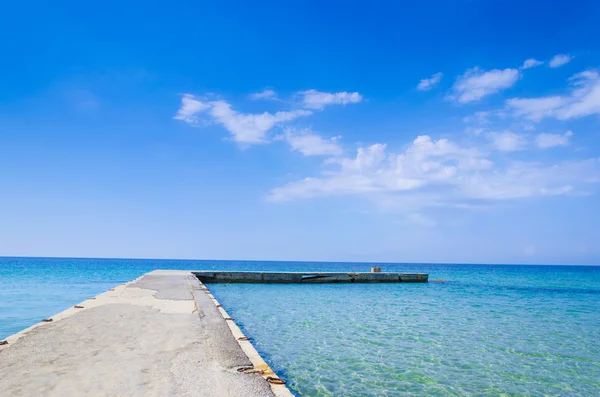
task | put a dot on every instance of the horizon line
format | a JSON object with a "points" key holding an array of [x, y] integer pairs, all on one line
{"points": [[296, 261]]}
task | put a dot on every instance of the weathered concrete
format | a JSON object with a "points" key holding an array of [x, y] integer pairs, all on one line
{"points": [[299, 277], [160, 335]]}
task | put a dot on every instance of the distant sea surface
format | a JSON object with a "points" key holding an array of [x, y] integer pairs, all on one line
{"points": [[488, 330]]}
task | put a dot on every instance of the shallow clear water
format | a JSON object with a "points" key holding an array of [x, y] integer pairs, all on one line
{"points": [[487, 330]]}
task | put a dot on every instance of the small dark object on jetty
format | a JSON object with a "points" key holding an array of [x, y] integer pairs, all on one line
{"points": [[3, 342], [47, 320], [250, 370], [276, 381], [229, 319], [243, 338], [78, 307]]}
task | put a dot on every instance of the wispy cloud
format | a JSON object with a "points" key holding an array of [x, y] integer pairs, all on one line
{"points": [[559, 60], [480, 117], [476, 83], [531, 63], [190, 108], [545, 141], [309, 143], [264, 94], [428, 84], [583, 100], [536, 109], [507, 141], [253, 128], [247, 128], [313, 99]]}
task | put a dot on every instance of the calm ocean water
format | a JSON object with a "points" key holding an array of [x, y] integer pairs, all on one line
{"points": [[486, 331]]}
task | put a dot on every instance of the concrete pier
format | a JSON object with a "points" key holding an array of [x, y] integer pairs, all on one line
{"points": [[160, 335], [309, 278]]}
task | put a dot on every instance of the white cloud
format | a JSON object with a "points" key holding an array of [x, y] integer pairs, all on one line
{"points": [[310, 144], [545, 141], [372, 170], [248, 128], [366, 158], [531, 63], [264, 94], [530, 179], [428, 84], [313, 99], [474, 131], [477, 83], [482, 117], [507, 141], [536, 108], [583, 100], [559, 60], [432, 173], [190, 107]]}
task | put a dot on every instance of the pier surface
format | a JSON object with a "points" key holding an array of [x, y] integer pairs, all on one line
{"points": [[309, 277], [160, 335]]}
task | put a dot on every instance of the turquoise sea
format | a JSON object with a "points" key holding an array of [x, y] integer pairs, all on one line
{"points": [[488, 330]]}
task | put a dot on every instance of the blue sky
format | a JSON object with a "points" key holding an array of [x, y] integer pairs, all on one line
{"points": [[434, 131]]}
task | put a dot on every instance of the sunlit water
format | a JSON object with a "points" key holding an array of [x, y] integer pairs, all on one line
{"points": [[486, 331]]}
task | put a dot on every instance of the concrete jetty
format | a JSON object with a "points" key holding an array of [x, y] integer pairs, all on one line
{"points": [[163, 334], [309, 277]]}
